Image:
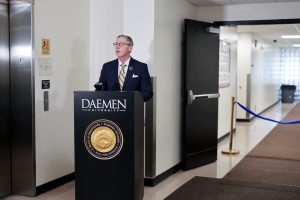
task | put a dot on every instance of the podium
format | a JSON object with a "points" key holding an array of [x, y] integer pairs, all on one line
{"points": [[109, 145]]}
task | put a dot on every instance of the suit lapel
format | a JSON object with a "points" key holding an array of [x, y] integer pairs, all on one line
{"points": [[115, 78], [129, 73]]}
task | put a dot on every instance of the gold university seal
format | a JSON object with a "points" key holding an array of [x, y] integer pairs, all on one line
{"points": [[103, 139]]}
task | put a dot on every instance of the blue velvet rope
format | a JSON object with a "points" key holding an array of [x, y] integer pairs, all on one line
{"points": [[268, 119]]}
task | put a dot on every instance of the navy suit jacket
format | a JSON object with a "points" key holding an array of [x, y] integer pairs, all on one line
{"points": [[137, 78]]}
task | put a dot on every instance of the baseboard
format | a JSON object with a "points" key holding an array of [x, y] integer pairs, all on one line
{"points": [[156, 180], [251, 118], [55, 183]]}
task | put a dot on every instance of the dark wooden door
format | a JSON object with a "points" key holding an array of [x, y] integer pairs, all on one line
{"points": [[200, 94]]}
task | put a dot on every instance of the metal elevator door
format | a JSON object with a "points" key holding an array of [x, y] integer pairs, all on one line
{"points": [[5, 138], [17, 154]]}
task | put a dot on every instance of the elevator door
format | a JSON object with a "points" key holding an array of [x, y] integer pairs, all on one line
{"points": [[5, 149]]}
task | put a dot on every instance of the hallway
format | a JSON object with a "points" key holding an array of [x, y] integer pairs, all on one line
{"points": [[246, 137]]}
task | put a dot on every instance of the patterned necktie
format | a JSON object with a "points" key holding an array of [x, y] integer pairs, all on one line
{"points": [[122, 76]]}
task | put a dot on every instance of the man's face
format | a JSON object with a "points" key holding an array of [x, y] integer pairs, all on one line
{"points": [[123, 48]]}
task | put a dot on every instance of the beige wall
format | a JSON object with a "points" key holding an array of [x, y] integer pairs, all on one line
{"points": [[103, 14], [261, 65], [243, 70], [230, 35], [108, 19], [66, 24], [265, 77], [169, 16]]}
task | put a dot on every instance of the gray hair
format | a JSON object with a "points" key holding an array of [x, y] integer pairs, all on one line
{"points": [[128, 38]]}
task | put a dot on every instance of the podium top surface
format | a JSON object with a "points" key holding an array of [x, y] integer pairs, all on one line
{"points": [[107, 92]]}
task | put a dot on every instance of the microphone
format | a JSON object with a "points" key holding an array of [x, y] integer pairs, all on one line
{"points": [[100, 86]]}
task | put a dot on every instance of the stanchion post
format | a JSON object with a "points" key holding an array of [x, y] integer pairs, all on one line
{"points": [[231, 151]]}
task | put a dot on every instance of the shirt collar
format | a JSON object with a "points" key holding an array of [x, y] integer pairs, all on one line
{"points": [[126, 63]]}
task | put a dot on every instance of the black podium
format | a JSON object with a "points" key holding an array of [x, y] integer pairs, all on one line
{"points": [[109, 145]]}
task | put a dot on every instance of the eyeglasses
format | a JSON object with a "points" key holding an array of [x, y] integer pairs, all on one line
{"points": [[121, 44]]}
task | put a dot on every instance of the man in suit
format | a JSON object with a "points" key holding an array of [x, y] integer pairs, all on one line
{"points": [[126, 73]]}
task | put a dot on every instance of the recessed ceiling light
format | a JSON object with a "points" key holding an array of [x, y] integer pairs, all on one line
{"points": [[296, 45], [290, 36]]}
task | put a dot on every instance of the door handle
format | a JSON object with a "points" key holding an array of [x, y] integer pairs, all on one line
{"points": [[191, 97]]}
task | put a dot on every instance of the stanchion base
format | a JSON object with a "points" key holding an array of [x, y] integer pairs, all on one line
{"points": [[230, 152]]}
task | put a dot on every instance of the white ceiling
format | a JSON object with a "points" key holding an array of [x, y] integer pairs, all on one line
{"points": [[232, 2], [273, 32], [267, 32]]}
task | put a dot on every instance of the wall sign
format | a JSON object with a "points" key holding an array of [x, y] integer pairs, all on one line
{"points": [[224, 64], [45, 84], [45, 47], [45, 66]]}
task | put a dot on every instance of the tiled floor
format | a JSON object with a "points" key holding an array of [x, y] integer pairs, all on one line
{"points": [[246, 137]]}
